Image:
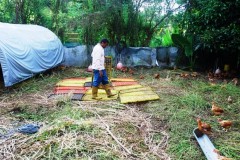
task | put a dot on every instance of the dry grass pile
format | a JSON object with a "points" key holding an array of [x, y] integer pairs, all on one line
{"points": [[112, 130], [159, 129]]}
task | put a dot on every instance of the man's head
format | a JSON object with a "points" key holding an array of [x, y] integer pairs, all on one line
{"points": [[104, 43]]}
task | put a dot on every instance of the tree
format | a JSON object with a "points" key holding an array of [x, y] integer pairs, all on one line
{"points": [[218, 25], [216, 21], [133, 21], [6, 11], [156, 15]]}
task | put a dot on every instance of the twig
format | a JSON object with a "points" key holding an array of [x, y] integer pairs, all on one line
{"points": [[50, 150], [35, 154], [41, 154], [111, 134]]}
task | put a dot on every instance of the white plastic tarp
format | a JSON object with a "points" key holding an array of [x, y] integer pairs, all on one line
{"points": [[26, 50]]}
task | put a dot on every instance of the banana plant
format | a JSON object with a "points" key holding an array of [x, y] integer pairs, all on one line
{"points": [[187, 44]]}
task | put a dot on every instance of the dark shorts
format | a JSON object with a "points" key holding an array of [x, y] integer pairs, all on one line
{"points": [[97, 79]]}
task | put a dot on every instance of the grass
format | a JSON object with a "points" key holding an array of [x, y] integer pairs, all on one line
{"points": [[195, 102], [73, 130], [187, 99]]}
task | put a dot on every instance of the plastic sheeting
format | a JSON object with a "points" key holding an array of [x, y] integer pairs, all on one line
{"points": [[130, 56], [138, 56], [167, 56], [77, 56], [26, 50], [80, 56], [173, 53]]}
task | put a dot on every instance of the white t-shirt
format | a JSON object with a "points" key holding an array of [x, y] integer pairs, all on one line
{"points": [[98, 57]]}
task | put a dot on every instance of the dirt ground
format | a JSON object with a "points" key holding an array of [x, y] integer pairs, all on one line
{"points": [[88, 130], [127, 131]]}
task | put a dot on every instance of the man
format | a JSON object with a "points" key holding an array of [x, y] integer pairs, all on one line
{"points": [[99, 71]]}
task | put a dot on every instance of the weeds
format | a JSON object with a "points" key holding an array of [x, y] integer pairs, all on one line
{"points": [[153, 130]]}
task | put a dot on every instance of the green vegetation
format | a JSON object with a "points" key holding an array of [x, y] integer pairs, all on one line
{"points": [[77, 129], [191, 99], [135, 23], [166, 39], [187, 43], [152, 130]]}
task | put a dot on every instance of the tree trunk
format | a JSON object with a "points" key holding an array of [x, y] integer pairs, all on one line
{"points": [[148, 39], [19, 11], [55, 16]]}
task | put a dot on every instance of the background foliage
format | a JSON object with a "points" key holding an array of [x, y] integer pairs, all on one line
{"points": [[135, 22]]}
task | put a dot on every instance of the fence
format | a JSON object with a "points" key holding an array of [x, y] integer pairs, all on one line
{"points": [[80, 56]]}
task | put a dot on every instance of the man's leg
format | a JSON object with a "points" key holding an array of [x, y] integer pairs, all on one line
{"points": [[106, 85], [95, 84]]}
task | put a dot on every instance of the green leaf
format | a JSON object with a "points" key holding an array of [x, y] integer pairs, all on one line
{"points": [[180, 41], [183, 42], [188, 51]]}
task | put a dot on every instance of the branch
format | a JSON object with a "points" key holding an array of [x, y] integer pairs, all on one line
{"points": [[139, 4], [165, 16], [111, 134]]}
